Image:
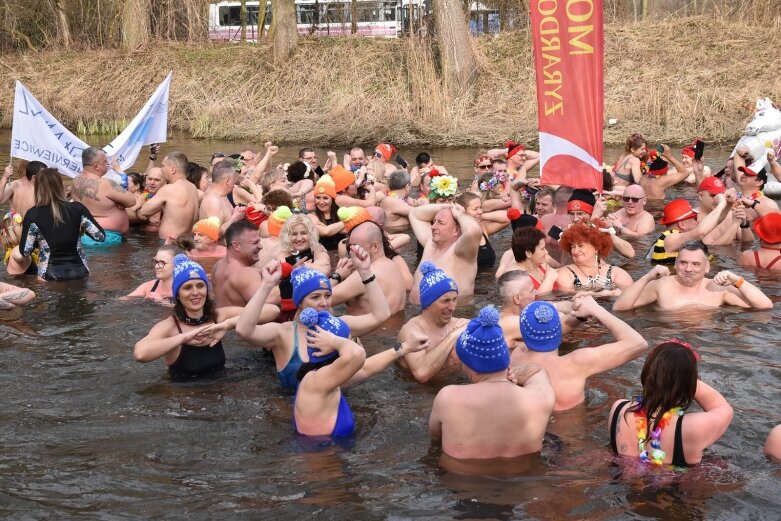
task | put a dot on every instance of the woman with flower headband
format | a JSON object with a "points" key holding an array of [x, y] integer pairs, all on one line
{"points": [[653, 426], [493, 188], [589, 243], [442, 188]]}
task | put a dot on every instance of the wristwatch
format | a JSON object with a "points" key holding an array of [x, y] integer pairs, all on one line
{"points": [[399, 350]]}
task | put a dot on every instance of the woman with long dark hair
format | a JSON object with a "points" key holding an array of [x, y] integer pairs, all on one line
{"points": [[189, 341], [329, 227], [653, 427], [54, 226]]}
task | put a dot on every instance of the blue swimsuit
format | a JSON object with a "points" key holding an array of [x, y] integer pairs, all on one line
{"points": [[345, 421], [287, 376]]}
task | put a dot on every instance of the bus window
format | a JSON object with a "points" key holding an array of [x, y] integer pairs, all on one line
{"points": [[307, 14], [336, 13], [388, 11], [231, 15]]}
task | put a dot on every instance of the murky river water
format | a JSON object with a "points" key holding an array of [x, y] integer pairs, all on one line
{"points": [[87, 433]]}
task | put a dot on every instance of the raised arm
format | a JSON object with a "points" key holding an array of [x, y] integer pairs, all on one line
{"points": [[467, 245], [680, 174], [641, 293], [705, 428], [741, 292], [362, 324], [674, 241], [247, 327], [119, 195], [420, 219], [6, 187], [378, 363], [629, 343], [351, 359], [264, 165]]}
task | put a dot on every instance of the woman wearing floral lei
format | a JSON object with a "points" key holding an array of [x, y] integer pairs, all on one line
{"points": [[653, 427]]}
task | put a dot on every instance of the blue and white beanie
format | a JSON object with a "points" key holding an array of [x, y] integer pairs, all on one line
{"points": [[186, 269], [305, 281], [433, 284], [541, 327], [311, 318], [481, 347]]}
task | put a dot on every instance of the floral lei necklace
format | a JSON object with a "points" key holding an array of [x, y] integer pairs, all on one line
{"points": [[656, 455]]}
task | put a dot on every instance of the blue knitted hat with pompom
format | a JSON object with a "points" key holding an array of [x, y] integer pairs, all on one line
{"points": [[541, 327], [186, 269], [311, 318], [433, 284], [481, 347]]}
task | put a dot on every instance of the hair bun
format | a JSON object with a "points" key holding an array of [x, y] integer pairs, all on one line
{"points": [[308, 317], [488, 316]]}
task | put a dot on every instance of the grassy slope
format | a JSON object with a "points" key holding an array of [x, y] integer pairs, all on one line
{"points": [[672, 80]]}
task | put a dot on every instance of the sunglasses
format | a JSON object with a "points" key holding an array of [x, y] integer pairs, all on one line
{"points": [[484, 167], [159, 263], [633, 199], [377, 155]]}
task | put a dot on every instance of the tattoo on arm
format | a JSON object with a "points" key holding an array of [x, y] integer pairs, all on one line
{"points": [[15, 295], [86, 189], [116, 186]]}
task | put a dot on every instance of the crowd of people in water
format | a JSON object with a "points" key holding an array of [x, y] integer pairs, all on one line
{"points": [[291, 241]]}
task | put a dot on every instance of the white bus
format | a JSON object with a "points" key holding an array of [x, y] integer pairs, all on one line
{"points": [[384, 18]]}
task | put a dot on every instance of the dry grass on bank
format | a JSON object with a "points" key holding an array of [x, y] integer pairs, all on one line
{"points": [[672, 79]]}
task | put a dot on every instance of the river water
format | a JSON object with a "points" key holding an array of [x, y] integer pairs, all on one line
{"points": [[87, 433]]}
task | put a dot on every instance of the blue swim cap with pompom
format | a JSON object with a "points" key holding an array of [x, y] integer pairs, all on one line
{"points": [[433, 284], [481, 347], [311, 318]]}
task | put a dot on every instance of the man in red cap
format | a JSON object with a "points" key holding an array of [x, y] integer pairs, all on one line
{"points": [[690, 287], [681, 221], [733, 227], [687, 156], [751, 184]]}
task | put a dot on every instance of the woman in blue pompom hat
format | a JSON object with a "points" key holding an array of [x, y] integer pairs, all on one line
{"points": [[189, 341], [311, 288], [335, 361]]}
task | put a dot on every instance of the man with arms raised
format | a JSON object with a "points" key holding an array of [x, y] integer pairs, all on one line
{"points": [[690, 287], [397, 204], [541, 329], [734, 226], [105, 199], [351, 290], [632, 220], [450, 239], [438, 296], [22, 191], [468, 418], [215, 201], [177, 200]]}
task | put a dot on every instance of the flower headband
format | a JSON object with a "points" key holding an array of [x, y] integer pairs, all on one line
{"points": [[687, 345]]}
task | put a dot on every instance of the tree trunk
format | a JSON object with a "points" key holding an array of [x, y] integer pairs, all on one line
{"points": [[454, 43], [243, 15], [283, 31], [353, 16], [63, 30], [135, 24]]}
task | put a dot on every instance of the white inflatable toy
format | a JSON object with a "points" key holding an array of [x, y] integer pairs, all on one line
{"points": [[763, 134]]}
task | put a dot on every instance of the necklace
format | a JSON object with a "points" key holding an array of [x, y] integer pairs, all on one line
{"points": [[656, 455], [495, 381], [595, 281], [190, 321]]}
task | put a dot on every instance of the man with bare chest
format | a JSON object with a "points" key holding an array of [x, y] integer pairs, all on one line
{"points": [[22, 191], [450, 239], [215, 201], [104, 198], [438, 297], [178, 200]]}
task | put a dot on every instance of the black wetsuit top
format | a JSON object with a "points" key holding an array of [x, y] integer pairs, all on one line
{"points": [[60, 256], [679, 460], [197, 360], [486, 256]]}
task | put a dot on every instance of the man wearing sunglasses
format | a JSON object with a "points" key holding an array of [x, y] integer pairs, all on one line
{"points": [[633, 220]]}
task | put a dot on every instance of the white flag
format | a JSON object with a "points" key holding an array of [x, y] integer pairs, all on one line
{"points": [[37, 136]]}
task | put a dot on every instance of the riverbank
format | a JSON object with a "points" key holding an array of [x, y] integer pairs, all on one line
{"points": [[673, 80]]}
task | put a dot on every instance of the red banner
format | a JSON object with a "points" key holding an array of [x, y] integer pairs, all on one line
{"points": [[569, 59]]}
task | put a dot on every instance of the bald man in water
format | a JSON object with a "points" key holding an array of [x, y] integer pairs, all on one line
{"points": [[352, 290], [633, 220], [450, 239]]}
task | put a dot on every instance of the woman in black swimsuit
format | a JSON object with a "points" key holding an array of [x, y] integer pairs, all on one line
{"points": [[54, 226], [653, 427], [190, 341], [490, 223], [329, 227]]}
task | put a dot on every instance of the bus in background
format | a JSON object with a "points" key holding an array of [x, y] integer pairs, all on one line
{"points": [[388, 19]]}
